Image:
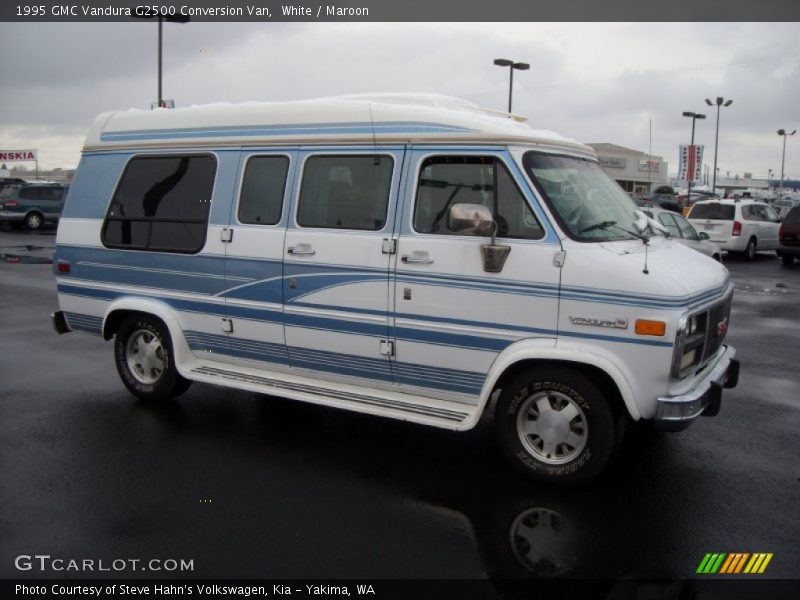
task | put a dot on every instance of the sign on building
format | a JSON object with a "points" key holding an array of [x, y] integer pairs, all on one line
{"points": [[654, 166], [18, 155], [611, 162], [690, 163]]}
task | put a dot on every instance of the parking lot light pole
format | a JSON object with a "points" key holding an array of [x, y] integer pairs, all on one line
{"points": [[784, 133], [694, 116], [161, 19], [521, 66], [720, 102]]}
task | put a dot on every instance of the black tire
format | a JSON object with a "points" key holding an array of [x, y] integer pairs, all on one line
{"points": [[787, 259], [752, 248], [33, 221], [717, 258], [145, 361], [594, 426]]}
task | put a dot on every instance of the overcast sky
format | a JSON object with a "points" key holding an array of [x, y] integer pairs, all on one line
{"points": [[595, 82]]}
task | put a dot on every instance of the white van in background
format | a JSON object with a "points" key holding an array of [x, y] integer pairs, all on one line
{"points": [[743, 226], [414, 257]]}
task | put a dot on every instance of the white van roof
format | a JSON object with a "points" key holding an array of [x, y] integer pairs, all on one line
{"points": [[398, 118]]}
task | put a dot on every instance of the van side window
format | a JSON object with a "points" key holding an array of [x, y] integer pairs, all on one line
{"points": [[448, 180], [162, 204], [263, 186], [345, 192]]}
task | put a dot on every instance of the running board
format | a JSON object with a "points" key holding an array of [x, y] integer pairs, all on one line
{"points": [[405, 407]]}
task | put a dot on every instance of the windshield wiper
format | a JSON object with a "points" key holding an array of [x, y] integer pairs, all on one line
{"points": [[600, 225], [609, 224]]}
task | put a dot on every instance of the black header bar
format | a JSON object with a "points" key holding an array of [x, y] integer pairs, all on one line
{"points": [[403, 11]]}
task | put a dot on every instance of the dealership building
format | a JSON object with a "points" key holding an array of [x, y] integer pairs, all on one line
{"points": [[635, 171]]}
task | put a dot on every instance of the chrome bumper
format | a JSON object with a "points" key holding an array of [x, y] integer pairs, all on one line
{"points": [[674, 413]]}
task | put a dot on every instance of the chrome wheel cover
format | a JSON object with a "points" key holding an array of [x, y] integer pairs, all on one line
{"points": [[144, 355], [552, 427]]}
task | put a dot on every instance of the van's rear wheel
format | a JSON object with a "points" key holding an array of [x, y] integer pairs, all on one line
{"points": [[750, 251], [145, 362], [555, 425]]}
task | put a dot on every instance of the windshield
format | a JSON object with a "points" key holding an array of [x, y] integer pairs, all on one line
{"points": [[588, 204]]}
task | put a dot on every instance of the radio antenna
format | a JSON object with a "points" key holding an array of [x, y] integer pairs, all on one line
{"points": [[377, 159]]}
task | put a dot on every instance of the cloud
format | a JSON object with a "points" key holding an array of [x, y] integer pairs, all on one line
{"points": [[596, 82]]}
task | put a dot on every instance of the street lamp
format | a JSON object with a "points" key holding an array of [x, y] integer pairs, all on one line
{"points": [[504, 62], [783, 133], [175, 19], [693, 116], [720, 102]]}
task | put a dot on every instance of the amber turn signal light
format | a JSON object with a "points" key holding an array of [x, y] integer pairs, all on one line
{"points": [[645, 327]]}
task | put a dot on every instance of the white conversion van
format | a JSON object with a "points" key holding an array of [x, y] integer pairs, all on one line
{"points": [[414, 257]]}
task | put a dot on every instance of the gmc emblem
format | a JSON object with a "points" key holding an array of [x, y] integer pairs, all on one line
{"points": [[722, 327]]}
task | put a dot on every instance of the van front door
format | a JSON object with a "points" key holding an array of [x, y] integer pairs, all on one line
{"points": [[452, 317], [337, 265]]}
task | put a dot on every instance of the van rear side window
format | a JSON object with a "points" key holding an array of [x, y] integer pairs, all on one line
{"points": [[263, 186], [162, 204]]}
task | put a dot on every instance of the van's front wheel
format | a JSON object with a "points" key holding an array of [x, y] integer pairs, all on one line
{"points": [[555, 425], [145, 362]]}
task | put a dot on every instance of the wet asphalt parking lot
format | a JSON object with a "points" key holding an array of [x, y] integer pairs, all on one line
{"points": [[257, 486]]}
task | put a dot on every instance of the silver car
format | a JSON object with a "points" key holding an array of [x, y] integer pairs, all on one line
{"points": [[684, 232]]}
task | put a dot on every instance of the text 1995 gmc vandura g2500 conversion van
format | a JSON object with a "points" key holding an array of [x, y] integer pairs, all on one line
{"points": [[414, 257]]}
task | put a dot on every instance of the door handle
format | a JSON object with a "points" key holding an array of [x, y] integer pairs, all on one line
{"points": [[417, 257], [301, 250]]}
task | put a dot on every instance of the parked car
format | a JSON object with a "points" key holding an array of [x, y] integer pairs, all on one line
{"points": [[32, 204], [737, 226], [6, 181], [789, 237], [783, 206], [684, 232]]}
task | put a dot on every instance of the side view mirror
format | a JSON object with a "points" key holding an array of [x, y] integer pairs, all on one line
{"points": [[470, 219], [703, 235], [476, 219]]}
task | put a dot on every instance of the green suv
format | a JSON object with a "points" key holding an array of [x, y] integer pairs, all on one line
{"points": [[32, 204]]}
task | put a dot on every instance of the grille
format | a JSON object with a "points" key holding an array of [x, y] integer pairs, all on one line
{"points": [[714, 337]]}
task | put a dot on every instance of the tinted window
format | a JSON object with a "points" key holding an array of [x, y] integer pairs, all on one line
{"points": [[50, 193], [448, 180], [345, 192], [162, 203], [261, 198], [713, 210], [793, 217], [29, 193]]}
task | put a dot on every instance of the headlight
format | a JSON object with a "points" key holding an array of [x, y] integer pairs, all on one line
{"points": [[688, 359]]}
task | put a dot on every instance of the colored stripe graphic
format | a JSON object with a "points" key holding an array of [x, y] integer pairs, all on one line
{"points": [[732, 563]]}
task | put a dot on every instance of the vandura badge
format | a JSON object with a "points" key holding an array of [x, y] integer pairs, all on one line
{"points": [[620, 323]]}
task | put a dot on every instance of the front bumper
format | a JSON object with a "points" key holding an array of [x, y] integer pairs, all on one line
{"points": [[674, 413]]}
